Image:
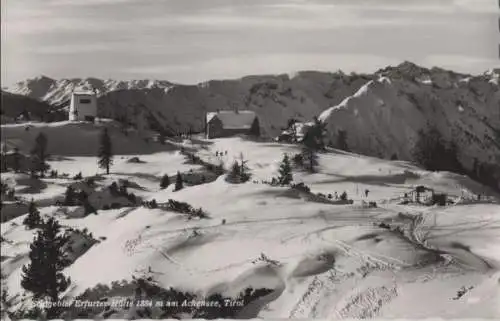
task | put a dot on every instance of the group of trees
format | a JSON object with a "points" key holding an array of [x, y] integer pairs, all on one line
{"points": [[74, 198], [121, 190], [434, 152], [488, 174], [179, 182], [313, 140]]}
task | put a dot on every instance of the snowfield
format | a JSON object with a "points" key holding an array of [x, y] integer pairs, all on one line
{"points": [[320, 260]]}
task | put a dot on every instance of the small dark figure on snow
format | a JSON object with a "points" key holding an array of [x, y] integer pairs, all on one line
{"points": [[217, 153], [366, 192]]}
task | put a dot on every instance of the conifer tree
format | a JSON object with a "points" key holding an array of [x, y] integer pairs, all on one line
{"points": [[4, 157], [88, 208], [178, 182], [244, 175], [43, 276], [122, 190], [82, 197], [165, 181], [309, 151], [3, 188], [113, 189], [219, 169], [161, 138], [319, 133], [292, 127], [285, 171], [78, 176], [39, 155], [235, 172], [105, 153], [342, 140], [33, 219], [69, 196], [16, 163], [475, 167], [313, 142]]}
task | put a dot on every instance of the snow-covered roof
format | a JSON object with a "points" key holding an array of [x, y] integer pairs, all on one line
{"points": [[242, 119], [84, 93]]}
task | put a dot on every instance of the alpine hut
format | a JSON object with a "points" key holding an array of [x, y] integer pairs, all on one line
{"points": [[228, 123]]}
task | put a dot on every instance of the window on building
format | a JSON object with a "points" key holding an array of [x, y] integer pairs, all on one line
{"points": [[84, 101]]}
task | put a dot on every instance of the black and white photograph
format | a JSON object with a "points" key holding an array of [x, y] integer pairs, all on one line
{"points": [[250, 159]]}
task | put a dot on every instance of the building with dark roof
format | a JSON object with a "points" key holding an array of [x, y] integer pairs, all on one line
{"points": [[228, 123]]}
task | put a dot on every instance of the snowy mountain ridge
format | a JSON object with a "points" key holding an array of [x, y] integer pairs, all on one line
{"points": [[59, 91], [383, 117], [381, 113]]}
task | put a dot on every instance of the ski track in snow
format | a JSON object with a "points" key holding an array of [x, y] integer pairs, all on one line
{"points": [[363, 304], [418, 232], [367, 303]]}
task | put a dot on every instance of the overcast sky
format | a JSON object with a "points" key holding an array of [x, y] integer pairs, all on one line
{"points": [[189, 41]]}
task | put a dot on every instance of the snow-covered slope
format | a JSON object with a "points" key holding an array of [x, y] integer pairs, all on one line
{"points": [[320, 260], [384, 116], [79, 138]]}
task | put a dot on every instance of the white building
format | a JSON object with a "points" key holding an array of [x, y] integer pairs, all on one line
{"points": [[83, 106]]}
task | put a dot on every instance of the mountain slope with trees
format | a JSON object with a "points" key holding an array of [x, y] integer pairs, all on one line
{"points": [[407, 112]]}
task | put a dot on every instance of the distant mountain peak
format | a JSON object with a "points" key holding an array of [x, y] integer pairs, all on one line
{"points": [[408, 64], [42, 78]]}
